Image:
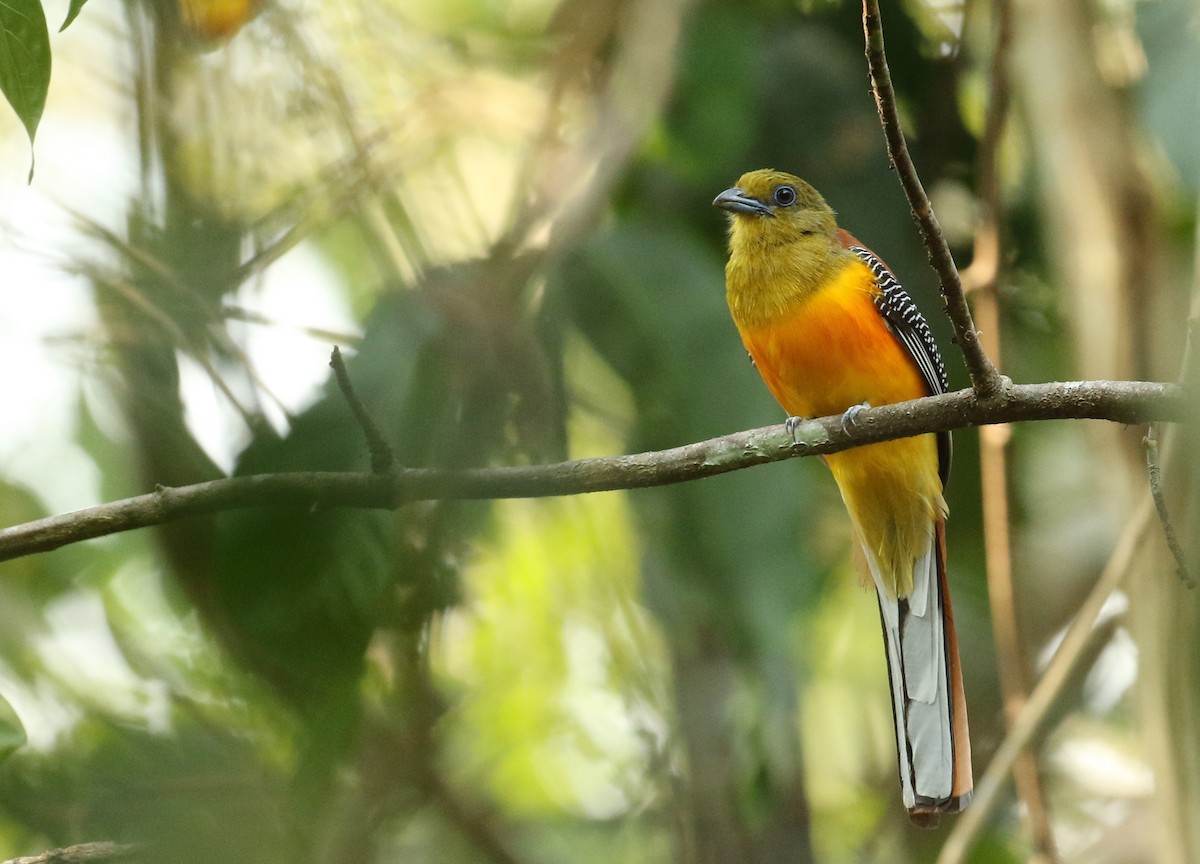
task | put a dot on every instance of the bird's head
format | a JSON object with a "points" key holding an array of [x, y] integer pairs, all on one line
{"points": [[768, 207]]}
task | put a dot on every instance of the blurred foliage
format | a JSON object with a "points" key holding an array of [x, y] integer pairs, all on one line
{"points": [[508, 202]]}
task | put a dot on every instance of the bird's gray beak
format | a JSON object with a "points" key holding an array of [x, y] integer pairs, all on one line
{"points": [[736, 201]]}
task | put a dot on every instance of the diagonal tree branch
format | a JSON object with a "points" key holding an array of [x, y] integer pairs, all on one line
{"points": [[1129, 402], [1081, 637], [985, 380]]}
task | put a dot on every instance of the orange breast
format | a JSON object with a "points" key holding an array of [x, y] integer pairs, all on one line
{"points": [[833, 350]]}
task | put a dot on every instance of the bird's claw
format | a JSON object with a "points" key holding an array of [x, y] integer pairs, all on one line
{"points": [[848, 421]]}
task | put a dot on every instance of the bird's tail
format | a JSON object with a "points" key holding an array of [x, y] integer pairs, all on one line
{"points": [[928, 704]]}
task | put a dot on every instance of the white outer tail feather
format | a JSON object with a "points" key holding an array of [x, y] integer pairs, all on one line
{"points": [[922, 701]]}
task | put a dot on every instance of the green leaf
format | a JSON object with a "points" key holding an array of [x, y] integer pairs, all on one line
{"points": [[72, 13], [24, 60], [12, 733]]}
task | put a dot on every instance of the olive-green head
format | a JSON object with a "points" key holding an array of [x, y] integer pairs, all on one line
{"points": [[767, 207]]}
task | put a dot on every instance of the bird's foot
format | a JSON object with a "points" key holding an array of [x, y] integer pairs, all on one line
{"points": [[848, 418], [791, 424]]}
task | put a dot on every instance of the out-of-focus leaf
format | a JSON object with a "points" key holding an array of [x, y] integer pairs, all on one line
{"points": [[12, 732], [72, 14], [25, 61]]}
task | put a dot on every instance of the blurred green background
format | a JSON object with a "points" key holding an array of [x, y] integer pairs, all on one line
{"points": [[500, 209]]}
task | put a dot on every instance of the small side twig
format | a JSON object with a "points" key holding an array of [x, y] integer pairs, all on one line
{"points": [[84, 853], [383, 459], [986, 381], [1160, 504]]}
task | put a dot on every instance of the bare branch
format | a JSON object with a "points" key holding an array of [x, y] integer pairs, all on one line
{"points": [[986, 381], [83, 853], [1130, 402]]}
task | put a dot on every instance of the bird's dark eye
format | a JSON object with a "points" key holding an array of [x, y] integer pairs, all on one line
{"points": [[784, 196]]}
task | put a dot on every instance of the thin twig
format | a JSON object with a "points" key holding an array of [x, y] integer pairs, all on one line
{"points": [[1074, 648], [1189, 379], [382, 457], [83, 853], [1160, 504], [985, 380], [1126, 402]]}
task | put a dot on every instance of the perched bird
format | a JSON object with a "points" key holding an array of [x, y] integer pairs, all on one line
{"points": [[831, 331]]}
